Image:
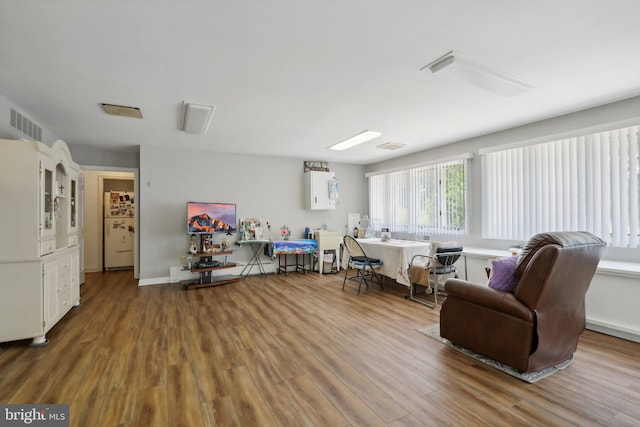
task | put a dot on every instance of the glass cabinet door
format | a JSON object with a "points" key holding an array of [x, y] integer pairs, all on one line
{"points": [[73, 202], [47, 199]]}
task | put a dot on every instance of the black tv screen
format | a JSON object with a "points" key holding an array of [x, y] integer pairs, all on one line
{"points": [[207, 218]]}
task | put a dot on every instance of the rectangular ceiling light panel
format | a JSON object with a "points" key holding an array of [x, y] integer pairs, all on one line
{"points": [[197, 117], [355, 140], [455, 67]]}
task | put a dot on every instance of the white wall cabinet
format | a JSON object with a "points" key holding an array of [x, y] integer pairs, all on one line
{"points": [[316, 184], [39, 252]]}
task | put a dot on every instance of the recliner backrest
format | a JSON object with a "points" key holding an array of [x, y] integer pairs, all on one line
{"points": [[556, 269], [563, 239]]}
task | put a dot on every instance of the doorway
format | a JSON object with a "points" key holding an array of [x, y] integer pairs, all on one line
{"points": [[96, 183]]}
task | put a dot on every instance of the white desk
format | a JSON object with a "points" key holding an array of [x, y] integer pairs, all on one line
{"points": [[395, 255], [327, 241]]}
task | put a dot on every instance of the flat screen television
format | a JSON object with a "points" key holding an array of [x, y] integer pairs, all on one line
{"points": [[207, 218]]}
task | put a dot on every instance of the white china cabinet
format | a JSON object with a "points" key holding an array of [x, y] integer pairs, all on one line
{"points": [[39, 252]]}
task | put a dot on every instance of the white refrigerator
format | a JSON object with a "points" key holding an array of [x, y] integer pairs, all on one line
{"points": [[118, 229]]}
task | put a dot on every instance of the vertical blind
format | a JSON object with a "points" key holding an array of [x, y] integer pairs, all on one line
{"points": [[422, 200], [584, 183]]}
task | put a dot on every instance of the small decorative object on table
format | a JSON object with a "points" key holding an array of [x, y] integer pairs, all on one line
{"points": [[206, 243], [193, 244], [258, 233], [268, 230], [285, 232]]}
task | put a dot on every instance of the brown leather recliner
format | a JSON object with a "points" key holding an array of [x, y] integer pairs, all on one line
{"points": [[537, 324]]}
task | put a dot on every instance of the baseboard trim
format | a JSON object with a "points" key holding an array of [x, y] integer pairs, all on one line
{"points": [[153, 281], [614, 330]]}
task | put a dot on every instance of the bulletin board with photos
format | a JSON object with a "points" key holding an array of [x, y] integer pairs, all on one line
{"points": [[252, 229]]}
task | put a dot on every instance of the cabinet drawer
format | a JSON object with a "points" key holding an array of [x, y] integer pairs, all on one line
{"points": [[64, 264], [73, 240], [47, 246], [64, 303], [64, 284]]}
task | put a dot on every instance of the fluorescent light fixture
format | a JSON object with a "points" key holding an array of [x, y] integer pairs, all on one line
{"points": [[455, 67], [197, 117], [355, 140]]}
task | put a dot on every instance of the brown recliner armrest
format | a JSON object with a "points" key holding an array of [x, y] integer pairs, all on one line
{"points": [[504, 302]]}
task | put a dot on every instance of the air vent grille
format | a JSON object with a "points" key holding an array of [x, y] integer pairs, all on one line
{"points": [[391, 146], [25, 126]]}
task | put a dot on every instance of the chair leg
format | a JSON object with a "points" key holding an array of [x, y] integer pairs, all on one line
{"points": [[346, 270], [412, 297], [361, 276], [378, 278]]}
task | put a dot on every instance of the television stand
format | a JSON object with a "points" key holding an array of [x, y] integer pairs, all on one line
{"points": [[206, 278]]}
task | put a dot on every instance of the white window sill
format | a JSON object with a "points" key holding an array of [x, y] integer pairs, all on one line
{"points": [[612, 268]]}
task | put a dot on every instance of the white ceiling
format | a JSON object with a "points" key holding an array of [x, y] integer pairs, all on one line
{"points": [[291, 77]]}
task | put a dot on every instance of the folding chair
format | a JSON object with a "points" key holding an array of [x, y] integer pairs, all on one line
{"points": [[365, 266]]}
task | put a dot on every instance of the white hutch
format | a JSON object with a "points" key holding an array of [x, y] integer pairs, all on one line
{"points": [[39, 252]]}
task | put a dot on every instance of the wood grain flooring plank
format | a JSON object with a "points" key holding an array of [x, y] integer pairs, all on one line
{"points": [[353, 404], [250, 406], [151, 408], [221, 412], [183, 405], [315, 404]]}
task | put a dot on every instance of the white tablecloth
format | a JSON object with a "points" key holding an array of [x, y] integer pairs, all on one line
{"points": [[395, 255]]}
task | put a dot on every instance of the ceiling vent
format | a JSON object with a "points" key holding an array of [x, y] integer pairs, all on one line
{"points": [[391, 146], [25, 126], [123, 111]]}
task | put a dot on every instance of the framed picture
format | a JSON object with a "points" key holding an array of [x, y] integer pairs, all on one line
{"points": [[259, 233], [310, 165]]}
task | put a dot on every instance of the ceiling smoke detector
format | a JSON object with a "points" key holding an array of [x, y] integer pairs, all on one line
{"points": [[121, 110]]}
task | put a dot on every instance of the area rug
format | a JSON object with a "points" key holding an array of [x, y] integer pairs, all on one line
{"points": [[433, 331]]}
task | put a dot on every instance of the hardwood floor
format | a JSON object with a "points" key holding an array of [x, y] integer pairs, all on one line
{"points": [[293, 351]]}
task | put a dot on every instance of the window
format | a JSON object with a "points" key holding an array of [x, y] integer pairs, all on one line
{"points": [[422, 200], [584, 183]]}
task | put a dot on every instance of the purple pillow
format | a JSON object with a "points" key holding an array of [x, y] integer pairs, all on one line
{"points": [[502, 274]]}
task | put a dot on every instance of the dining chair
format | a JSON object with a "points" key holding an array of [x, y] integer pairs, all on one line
{"points": [[430, 271], [365, 266]]}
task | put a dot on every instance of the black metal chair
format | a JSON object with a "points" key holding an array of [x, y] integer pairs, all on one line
{"points": [[365, 266]]}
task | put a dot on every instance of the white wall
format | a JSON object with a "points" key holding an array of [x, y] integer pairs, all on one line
{"points": [[269, 188], [93, 156]]}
